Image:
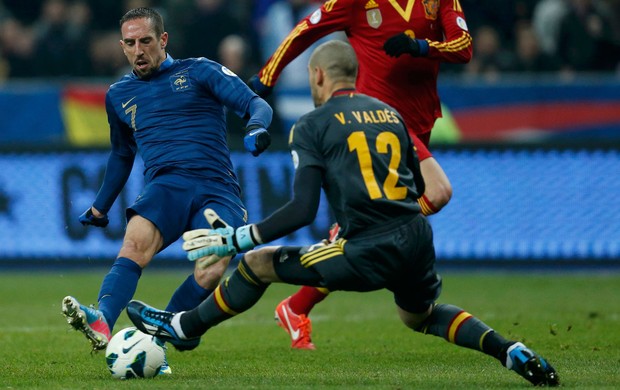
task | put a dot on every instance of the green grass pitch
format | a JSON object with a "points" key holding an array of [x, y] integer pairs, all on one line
{"points": [[572, 319]]}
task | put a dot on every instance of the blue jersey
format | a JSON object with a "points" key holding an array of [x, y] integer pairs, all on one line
{"points": [[176, 120]]}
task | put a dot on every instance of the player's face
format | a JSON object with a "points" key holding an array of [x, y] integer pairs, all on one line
{"points": [[143, 49]]}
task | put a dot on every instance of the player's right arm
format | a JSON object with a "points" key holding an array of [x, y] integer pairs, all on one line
{"points": [[118, 169], [334, 15]]}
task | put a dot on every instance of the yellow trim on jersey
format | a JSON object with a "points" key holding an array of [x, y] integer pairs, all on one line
{"points": [[329, 5], [270, 68], [404, 13], [322, 254], [457, 6], [221, 303], [452, 46], [291, 134], [426, 210], [454, 326]]}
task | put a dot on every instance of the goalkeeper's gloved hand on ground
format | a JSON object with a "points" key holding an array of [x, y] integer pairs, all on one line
{"points": [[256, 139], [88, 218], [208, 246], [259, 88], [401, 43]]}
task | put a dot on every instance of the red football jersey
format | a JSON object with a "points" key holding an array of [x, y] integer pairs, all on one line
{"points": [[407, 83]]}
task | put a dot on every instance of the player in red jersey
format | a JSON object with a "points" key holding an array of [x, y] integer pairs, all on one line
{"points": [[399, 45]]}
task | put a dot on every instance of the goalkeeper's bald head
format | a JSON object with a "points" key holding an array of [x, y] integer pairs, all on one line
{"points": [[337, 59]]}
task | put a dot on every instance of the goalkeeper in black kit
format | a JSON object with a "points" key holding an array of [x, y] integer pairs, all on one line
{"points": [[357, 149]]}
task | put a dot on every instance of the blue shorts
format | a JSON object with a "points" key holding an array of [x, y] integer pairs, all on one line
{"points": [[174, 203]]}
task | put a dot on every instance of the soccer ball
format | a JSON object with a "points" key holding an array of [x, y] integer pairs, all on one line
{"points": [[133, 354]]}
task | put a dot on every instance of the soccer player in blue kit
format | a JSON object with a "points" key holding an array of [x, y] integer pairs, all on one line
{"points": [[172, 112]]}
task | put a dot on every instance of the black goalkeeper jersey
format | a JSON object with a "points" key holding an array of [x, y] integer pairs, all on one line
{"points": [[362, 146]]}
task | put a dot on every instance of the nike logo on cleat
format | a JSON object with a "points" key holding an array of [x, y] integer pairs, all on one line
{"points": [[294, 333]]}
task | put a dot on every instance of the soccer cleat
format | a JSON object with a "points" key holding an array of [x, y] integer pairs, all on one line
{"points": [[156, 323], [298, 327], [531, 366], [185, 345], [165, 368], [87, 320]]}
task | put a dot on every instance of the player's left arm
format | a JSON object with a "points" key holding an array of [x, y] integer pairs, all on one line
{"points": [[456, 46], [413, 163], [298, 212], [238, 97]]}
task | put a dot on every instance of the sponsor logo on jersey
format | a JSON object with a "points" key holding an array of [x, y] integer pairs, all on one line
{"points": [[373, 16], [431, 8], [316, 16], [127, 102], [371, 4]]}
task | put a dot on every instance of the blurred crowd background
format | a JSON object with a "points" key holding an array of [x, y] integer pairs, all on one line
{"points": [[530, 133], [79, 38]]}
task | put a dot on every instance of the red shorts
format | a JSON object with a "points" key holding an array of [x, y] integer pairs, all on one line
{"points": [[420, 141]]}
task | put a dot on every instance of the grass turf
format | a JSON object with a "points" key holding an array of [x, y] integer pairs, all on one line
{"points": [[571, 319]]}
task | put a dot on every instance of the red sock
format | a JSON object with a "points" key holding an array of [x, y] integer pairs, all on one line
{"points": [[304, 300]]}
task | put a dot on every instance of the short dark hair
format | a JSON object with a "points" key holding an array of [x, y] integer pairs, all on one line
{"points": [[157, 21], [337, 58]]}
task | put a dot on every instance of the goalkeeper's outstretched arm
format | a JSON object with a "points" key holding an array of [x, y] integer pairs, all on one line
{"points": [[297, 212]]}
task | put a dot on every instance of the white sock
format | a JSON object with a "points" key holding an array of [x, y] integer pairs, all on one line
{"points": [[176, 325]]}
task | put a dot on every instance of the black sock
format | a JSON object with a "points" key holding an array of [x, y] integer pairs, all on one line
{"points": [[234, 295], [461, 328]]}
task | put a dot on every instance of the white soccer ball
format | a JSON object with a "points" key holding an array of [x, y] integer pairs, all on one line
{"points": [[133, 354]]}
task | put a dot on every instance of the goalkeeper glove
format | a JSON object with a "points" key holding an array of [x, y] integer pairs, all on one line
{"points": [[88, 218], [207, 246], [256, 139], [259, 88], [401, 43]]}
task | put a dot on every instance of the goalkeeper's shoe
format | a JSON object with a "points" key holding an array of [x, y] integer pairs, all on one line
{"points": [[531, 366], [298, 327], [87, 320], [156, 323], [185, 345]]}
